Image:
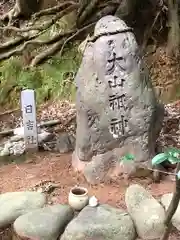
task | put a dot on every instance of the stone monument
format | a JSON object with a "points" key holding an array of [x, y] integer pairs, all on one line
{"points": [[117, 110]]}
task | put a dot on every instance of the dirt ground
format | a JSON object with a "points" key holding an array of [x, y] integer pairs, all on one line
{"points": [[48, 167], [41, 171]]}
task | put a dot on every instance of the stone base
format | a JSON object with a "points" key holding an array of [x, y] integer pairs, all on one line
{"points": [[107, 166], [103, 167], [77, 164]]}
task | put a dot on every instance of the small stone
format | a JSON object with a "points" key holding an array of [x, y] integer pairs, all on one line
{"points": [[147, 213], [102, 222], [165, 200], [15, 138], [18, 148], [44, 136], [93, 201], [19, 131], [44, 224], [6, 149], [15, 204], [4, 152], [65, 143]]}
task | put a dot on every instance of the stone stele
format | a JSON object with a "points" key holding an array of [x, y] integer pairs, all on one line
{"points": [[117, 110]]}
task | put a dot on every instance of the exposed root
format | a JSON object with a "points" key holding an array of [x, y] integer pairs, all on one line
{"points": [[19, 51], [12, 14], [44, 26], [53, 10], [18, 40], [105, 11], [56, 47], [87, 12], [11, 43], [74, 35], [47, 53]]}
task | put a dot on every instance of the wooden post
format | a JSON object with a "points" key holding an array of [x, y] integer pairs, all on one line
{"points": [[28, 108]]}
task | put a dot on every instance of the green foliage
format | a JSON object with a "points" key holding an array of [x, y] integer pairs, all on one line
{"points": [[128, 157], [53, 79], [159, 158], [171, 154]]}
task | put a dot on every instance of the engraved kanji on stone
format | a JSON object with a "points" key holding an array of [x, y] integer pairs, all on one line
{"points": [[118, 102], [117, 126]]}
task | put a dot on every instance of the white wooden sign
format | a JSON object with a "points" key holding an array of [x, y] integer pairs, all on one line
{"points": [[28, 107]]}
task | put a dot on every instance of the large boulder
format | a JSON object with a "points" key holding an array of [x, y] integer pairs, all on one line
{"points": [[147, 213], [46, 223], [102, 222], [15, 204], [165, 200], [115, 100]]}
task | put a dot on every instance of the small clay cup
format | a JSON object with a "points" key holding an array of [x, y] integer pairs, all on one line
{"points": [[78, 198]]}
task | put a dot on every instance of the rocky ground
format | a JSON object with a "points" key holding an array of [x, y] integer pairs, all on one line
{"points": [[52, 174]]}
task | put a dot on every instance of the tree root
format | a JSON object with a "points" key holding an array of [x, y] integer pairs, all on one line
{"points": [[46, 25], [19, 50], [46, 54], [13, 13], [105, 11], [53, 10], [82, 7], [11, 43], [87, 12], [59, 41], [56, 47], [14, 42], [42, 29]]}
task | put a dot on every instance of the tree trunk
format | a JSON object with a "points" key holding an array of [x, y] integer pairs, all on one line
{"points": [[174, 32], [27, 7]]}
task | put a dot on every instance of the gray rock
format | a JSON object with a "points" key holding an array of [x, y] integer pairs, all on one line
{"points": [[65, 143], [44, 136], [165, 200], [45, 223], [109, 165], [99, 169], [147, 213], [102, 222], [15, 138], [115, 100], [13, 148], [15, 204], [18, 148]]}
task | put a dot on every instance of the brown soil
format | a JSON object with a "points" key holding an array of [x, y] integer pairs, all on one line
{"points": [[164, 72], [44, 169], [48, 167]]}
